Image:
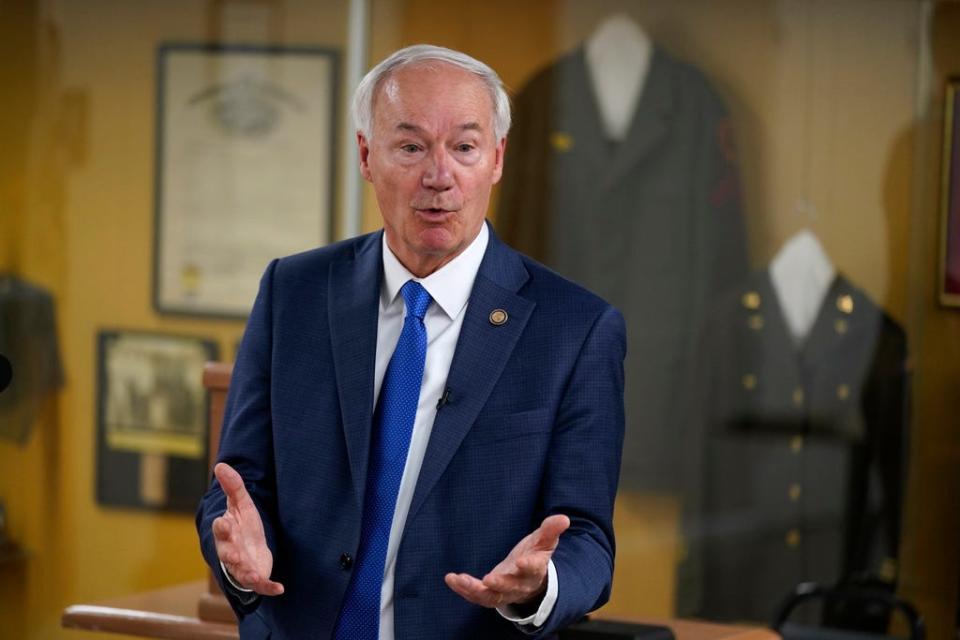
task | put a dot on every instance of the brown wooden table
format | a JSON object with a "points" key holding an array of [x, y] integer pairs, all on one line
{"points": [[172, 613]]}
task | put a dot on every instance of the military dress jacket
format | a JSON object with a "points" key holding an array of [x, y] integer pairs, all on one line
{"points": [[803, 449], [651, 223]]}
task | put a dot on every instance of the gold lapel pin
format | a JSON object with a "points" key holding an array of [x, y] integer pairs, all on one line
{"points": [[498, 317]]}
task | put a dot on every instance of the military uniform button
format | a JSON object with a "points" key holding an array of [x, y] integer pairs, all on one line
{"points": [[845, 303], [793, 538], [755, 322], [797, 397], [840, 326], [561, 141], [751, 300], [888, 570], [794, 492], [796, 444], [843, 392], [749, 382]]}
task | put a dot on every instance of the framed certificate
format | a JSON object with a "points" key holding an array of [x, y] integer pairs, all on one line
{"points": [[950, 200], [244, 169], [152, 420]]}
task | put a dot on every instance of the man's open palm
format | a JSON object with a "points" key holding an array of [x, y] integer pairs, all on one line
{"points": [[239, 538], [522, 576]]}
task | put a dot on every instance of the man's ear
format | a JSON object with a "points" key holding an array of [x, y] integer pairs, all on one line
{"points": [[498, 159], [363, 146]]}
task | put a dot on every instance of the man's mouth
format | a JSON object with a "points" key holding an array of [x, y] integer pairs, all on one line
{"points": [[433, 211]]}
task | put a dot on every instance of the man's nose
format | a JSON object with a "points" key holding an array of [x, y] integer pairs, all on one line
{"points": [[438, 175]]}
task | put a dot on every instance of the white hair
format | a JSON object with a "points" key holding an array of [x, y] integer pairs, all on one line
{"points": [[362, 107]]}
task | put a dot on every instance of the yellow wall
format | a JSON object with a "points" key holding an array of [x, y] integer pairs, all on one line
{"points": [[81, 213], [824, 98]]}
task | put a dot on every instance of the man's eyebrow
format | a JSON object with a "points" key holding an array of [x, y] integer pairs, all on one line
{"points": [[407, 126]]}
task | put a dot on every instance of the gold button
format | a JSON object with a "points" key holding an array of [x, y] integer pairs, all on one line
{"points": [[797, 397], [840, 326], [751, 300], [561, 141], [888, 569], [755, 322], [843, 392], [794, 492], [793, 538], [749, 382], [845, 303], [498, 317], [796, 444]]}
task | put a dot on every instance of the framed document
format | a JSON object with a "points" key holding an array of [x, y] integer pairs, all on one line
{"points": [[152, 420], [950, 200], [244, 169]]}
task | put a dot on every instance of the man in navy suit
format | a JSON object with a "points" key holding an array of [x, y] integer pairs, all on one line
{"points": [[498, 522]]}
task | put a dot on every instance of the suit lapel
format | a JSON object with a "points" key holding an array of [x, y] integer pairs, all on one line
{"points": [[353, 308], [482, 352], [650, 122], [579, 116]]}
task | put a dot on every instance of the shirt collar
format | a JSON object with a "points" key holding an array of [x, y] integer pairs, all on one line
{"points": [[449, 286]]}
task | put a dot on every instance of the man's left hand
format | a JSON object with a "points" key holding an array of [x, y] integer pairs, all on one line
{"points": [[521, 577]]}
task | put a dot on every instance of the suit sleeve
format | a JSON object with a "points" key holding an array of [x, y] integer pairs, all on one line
{"points": [[583, 471], [246, 441]]}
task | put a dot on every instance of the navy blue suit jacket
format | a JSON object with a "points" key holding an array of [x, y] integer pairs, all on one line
{"points": [[533, 427]]}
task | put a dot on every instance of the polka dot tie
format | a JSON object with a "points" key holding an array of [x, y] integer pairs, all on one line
{"points": [[392, 428]]}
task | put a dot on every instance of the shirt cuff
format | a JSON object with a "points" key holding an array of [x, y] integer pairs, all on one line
{"points": [[546, 605], [233, 583]]}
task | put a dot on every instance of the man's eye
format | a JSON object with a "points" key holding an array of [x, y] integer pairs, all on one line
{"points": [[464, 147], [410, 148]]}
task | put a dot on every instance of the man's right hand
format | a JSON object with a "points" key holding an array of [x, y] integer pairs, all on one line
{"points": [[238, 534]]}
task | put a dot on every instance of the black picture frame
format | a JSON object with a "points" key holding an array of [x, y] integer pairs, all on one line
{"points": [[151, 416]]}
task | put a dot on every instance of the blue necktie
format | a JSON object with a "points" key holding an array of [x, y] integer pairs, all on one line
{"points": [[393, 425]]}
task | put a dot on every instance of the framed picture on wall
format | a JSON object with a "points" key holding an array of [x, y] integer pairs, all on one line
{"points": [[151, 420], [950, 195], [245, 148]]}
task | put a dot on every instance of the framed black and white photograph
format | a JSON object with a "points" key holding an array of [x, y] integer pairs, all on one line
{"points": [[151, 420], [245, 149]]}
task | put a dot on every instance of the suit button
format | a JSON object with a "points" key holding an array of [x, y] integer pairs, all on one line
{"points": [[346, 561]]}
